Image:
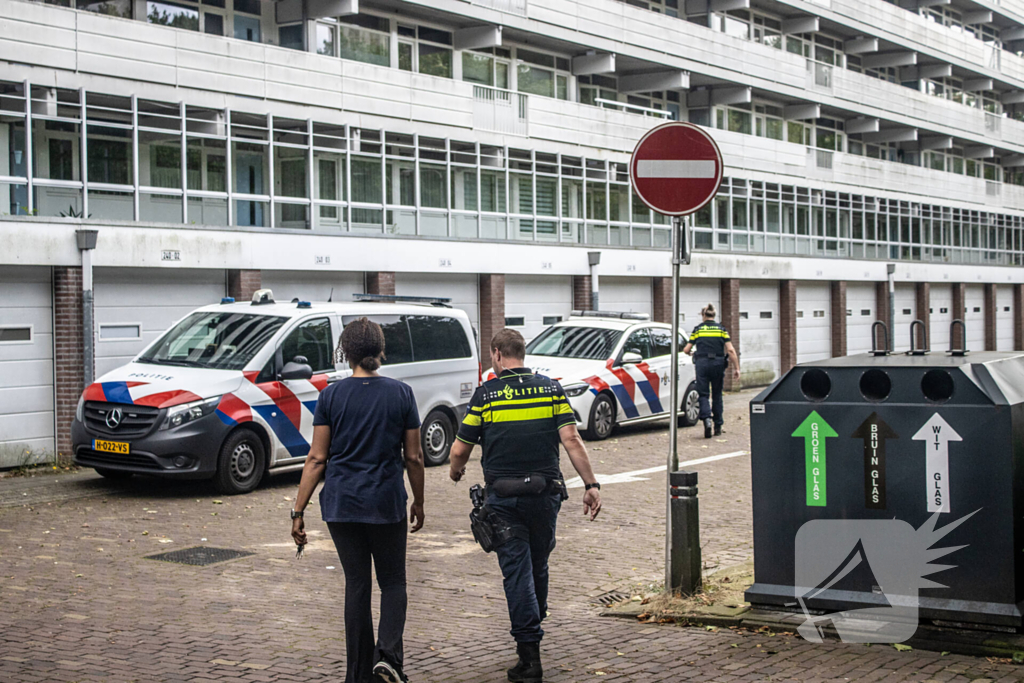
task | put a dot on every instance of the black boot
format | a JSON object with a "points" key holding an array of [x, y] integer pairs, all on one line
{"points": [[528, 668], [708, 424], [718, 430]]}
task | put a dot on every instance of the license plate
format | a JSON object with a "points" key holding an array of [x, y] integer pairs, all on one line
{"points": [[110, 446]]}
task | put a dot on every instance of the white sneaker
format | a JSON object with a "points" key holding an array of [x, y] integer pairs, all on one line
{"points": [[384, 672]]}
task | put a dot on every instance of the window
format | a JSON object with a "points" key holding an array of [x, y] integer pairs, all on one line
{"points": [[865, 311], [437, 338], [661, 342], [426, 50], [516, 321], [397, 345], [223, 341], [16, 335], [169, 14], [906, 311], [552, 319], [766, 315], [542, 74], [120, 331], [487, 67], [365, 38], [109, 160], [110, 8], [819, 313], [291, 37], [62, 166], [639, 342], [575, 342], [312, 341], [325, 41], [744, 315], [799, 314]]}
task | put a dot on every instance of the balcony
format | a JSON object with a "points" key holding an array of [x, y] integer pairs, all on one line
{"points": [[500, 111]]}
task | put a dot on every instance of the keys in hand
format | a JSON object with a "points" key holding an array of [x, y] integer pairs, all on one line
{"points": [[298, 552]]}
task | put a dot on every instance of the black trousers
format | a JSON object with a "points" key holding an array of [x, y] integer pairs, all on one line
{"points": [[710, 380], [385, 544]]}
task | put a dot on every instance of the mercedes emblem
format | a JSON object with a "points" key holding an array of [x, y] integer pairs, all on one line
{"points": [[114, 418]]}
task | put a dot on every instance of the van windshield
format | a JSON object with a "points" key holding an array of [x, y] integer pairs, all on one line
{"points": [[591, 343], [215, 340]]}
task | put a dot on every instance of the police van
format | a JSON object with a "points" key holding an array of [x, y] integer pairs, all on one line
{"points": [[229, 391], [615, 369]]}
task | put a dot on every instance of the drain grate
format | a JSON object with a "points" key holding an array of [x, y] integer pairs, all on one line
{"points": [[610, 598], [200, 556]]}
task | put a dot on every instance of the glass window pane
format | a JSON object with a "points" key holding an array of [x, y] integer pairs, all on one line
{"points": [[325, 40], [247, 28], [290, 37], [109, 156], [477, 68], [435, 61], [110, 8], [405, 56], [501, 75], [214, 25], [364, 46], [433, 192], [535, 81], [366, 180], [169, 14]]}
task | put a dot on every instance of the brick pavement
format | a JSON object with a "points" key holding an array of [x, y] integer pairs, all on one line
{"points": [[80, 602]]}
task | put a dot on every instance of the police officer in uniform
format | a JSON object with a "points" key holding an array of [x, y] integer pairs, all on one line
{"points": [[712, 351], [520, 418]]}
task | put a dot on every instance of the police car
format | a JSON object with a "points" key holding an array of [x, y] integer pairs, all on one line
{"points": [[229, 391], [614, 368]]}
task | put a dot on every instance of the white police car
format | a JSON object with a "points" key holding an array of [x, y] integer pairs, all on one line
{"points": [[614, 368], [229, 391]]}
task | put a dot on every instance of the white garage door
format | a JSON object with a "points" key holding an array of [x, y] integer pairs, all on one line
{"points": [[26, 366], [628, 294], [813, 322], [941, 315], [695, 295], [861, 302], [312, 286], [462, 289], [974, 317], [759, 332], [533, 302], [906, 313], [1004, 318], [134, 306]]}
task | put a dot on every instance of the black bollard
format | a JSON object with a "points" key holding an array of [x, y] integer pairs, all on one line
{"points": [[685, 563]]}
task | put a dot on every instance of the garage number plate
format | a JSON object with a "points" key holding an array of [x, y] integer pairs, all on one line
{"points": [[110, 446]]}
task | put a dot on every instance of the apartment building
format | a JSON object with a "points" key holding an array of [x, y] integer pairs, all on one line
{"points": [[478, 150]]}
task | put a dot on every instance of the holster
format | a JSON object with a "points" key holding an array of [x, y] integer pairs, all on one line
{"points": [[489, 530]]}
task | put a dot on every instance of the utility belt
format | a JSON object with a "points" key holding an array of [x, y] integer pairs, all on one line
{"points": [[488, 528], [706, 356]]}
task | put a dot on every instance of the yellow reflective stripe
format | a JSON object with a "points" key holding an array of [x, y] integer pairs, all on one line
{"points": [[471, 443], [710, 333], [472, 420], [563, 409], [521, 414], [520, 401]]}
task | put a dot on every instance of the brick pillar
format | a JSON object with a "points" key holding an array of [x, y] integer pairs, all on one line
{"points": [[923, 297], [382, 282], [730, 318], [838, 302], [662, 299], [582, 299], [990, 317], [242, 284], [787, 324], [68, 369], [492, 311], [882, 312], [959, 303], [1018, 317]]}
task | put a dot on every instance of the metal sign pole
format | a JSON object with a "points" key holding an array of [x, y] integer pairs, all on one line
{"points": [[672, 554]]}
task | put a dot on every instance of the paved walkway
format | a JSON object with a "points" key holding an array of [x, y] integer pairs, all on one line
{"points": [[81, 603]]}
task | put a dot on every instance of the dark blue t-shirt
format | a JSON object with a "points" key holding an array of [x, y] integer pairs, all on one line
{"points": [[368, 417]]}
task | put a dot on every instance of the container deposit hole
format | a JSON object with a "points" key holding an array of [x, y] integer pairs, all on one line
{"points": [[875, 385], [937, 385], [815, 384]]}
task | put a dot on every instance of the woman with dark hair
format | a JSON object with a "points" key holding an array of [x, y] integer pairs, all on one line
{"points": [[361, 427]]}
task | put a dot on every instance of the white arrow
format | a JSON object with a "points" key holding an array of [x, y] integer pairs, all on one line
{"points": [[627, 477], [936, 433]]}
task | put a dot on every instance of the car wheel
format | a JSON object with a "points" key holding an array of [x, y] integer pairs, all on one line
{"points": [[114, 475], [602, 419], [689, 411], [436, 436], [242, 463]]}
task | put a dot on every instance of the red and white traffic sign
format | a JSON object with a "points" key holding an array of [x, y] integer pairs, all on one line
{"points": [[676, 168]]}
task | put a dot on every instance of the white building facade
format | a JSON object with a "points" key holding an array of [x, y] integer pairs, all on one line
{"points": [[478, 151]]}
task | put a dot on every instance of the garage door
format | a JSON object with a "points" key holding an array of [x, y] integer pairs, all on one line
{"points": [[941, 315], [135, 306], [628, 294], [974, 317], [26, 366], [860, 300], [695, 295], [906, 313], [813, 322], [533, 302], [1004, 318], [759, 332], [312, 286], [462, 289]]}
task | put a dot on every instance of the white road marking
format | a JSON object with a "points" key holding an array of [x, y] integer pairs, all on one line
{"points": [[627, 477], [676, 168]]}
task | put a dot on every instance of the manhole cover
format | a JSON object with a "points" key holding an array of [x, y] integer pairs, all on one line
{"points": [[199, 556], [609, 599]]}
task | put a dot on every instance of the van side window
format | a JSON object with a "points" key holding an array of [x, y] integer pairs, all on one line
{"points": [[311, 339], [397, 345], [638, 342], [437, 338]]}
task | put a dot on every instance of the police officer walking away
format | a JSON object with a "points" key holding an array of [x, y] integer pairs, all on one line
{"points": [[520, 418], [712, 352]]}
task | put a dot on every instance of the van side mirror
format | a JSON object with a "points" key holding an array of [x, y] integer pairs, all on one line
{"points": [[631, 358], [293, 370]]}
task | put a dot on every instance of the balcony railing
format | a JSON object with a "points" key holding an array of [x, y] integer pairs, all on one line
{"points": [[632, 108], [502, 111], [510, 6]]}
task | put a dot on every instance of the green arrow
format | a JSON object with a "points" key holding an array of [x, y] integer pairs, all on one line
{"points": [[815, 430]]}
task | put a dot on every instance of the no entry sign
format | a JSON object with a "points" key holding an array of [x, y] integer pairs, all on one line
{"points": [[676, 168]]}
